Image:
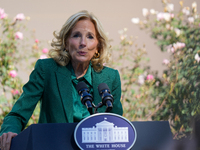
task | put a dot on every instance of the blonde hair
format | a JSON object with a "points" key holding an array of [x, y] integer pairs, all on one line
{"points": [[62, 57]]}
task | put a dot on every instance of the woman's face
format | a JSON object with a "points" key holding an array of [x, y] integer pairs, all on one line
{"points": [[82, 42]]}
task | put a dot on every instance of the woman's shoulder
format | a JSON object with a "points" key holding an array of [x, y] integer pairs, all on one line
{"points": [[47, 63], [111, 74], [108, 69]]}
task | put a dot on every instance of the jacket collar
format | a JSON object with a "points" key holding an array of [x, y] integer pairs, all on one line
{"points": [[63, 76]]}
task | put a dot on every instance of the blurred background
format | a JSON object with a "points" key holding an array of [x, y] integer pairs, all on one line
{"points": [[48, 16]]}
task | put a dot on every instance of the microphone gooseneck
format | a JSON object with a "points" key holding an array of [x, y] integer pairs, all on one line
{"points": [[107, 98], [86, 97]]}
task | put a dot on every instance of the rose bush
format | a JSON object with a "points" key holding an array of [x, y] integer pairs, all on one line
{"points": [[179, 89], [15, 50], [136, 77]]}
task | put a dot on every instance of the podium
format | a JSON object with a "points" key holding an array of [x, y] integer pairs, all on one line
{"points": [[60, 136]]}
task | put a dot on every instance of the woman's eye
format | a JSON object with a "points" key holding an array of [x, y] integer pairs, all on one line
{"points": [[90, 37], [76, 35]]}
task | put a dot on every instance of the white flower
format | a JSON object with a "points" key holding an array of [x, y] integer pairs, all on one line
{"points": [[169, 48], [170, 7], [177, 31], [175, 46], [168, 26], [194, 5], [1, 11], [182, 45], [196, 16], [19, 35], [165, 61], [178, 45], [191, 19], [135, 20], [122, 37], [2, 14], [20, 17], [186, 10], [167, 16], [172, 50], [145, 12], [160, 16], [197, 58], [152, 11], [157, 83], [141, 79]]}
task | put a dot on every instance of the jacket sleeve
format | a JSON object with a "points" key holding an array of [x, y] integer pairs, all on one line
{"points": [[22, 110], [116, 92]]}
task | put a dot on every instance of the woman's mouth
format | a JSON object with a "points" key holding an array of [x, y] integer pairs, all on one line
{"points": [[82, 53]]}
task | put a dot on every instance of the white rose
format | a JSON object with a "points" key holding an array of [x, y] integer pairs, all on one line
{"points": [[20, 17], [19, 35], [141, 79], [166, 61], [177, 31], [152, 11], [145, 12], [167, 16], [135, 20], [194, 5], [170, 7], [191, 19], [197, 58], [160, 16], [186, 11]]}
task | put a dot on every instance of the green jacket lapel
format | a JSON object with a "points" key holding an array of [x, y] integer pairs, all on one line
{"points": [[64, 85], [97, 78]]}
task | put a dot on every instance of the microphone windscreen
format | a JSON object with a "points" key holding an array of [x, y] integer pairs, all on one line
{"points": [[103, 86], [81, 85]]}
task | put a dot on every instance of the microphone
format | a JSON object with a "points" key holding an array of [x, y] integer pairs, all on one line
{"points": [[86, 97], [107, 98]]}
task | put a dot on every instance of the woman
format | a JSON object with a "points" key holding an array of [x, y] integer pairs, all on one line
{"points": [[79, 51]]}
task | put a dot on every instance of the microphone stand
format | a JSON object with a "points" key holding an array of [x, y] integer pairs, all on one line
{"points": [[96, 107]]}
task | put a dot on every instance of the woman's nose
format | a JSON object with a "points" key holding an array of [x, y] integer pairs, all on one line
{"points": [[83, 42]]}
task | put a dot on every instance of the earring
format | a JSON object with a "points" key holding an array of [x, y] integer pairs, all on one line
{"points": [[96, 55], [65, 50]]}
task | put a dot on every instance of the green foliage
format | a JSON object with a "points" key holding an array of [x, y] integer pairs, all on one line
{"points": [[15, 51], [179, 88], [136, 78]]}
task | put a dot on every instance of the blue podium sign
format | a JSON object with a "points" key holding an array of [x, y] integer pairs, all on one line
{"points": [[105, 131]]}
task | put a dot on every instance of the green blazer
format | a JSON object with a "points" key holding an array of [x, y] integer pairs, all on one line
{"points": [[51, 84]]}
